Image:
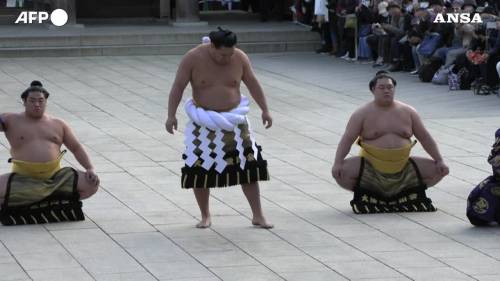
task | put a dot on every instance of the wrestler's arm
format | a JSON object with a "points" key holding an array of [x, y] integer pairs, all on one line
{"points": [[252, 83], [182, 78], [424, 137], [72, 143], [352, 132], [3, 120], [255, 89]]}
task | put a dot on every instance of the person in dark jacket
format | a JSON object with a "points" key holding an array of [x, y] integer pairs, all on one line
{"points": [[345, 35], [400, 23]]}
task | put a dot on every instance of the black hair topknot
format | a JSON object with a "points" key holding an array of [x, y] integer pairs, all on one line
{"points": [[35, 86], [223, 38]]}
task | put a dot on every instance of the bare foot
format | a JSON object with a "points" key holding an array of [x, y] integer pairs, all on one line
{"points": [[261, 223], [204, 223]]}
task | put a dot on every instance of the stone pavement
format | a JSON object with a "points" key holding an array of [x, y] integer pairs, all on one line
{"points": [[140, 224]]}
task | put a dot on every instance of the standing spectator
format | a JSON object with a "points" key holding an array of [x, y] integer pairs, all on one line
{"points": [[308, 11], [332, 24], [365, 20], [346, 21], [253, 4], [265, 7], [321, 14], [272, 9]]}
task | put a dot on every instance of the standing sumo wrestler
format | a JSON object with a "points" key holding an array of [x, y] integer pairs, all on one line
{"points": [[220, 148]]}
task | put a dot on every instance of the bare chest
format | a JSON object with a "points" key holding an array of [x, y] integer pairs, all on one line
{"points": [[379, 124], [27, 133], [206, 75]]}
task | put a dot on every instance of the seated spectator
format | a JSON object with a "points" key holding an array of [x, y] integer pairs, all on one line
{"points": [[377, 40], [463, 34], [492, 49], [458, 41], [399, 24], [469, 6], [414, 39]]}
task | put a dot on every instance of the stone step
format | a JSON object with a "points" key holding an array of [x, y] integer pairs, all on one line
{"points": [[148, 38], [9, 16], [222, 16], [8, 19], [170, 49]]}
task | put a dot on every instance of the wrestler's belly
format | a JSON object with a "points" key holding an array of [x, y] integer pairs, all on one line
{"points": [[36, 152], [217, 98], [389, 140]]}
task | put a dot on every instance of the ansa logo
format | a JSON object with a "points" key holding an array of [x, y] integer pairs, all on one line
{"points": [[458, 18]]}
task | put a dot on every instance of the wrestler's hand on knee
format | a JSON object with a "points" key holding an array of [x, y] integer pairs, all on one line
{"points": [[267, 120], [171, 125], [337, 171], [92, 177], [443, 170]]}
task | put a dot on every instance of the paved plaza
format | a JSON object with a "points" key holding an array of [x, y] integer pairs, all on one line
{"points": [[140, 224]]}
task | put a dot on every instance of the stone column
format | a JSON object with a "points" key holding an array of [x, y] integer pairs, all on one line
{"points": [[186, 11], [165, 9]]}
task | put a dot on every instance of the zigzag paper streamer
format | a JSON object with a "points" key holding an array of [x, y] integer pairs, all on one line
{"points": [[189, 142], [252, 139], [239, 146], [220, 163], [208, 161]]}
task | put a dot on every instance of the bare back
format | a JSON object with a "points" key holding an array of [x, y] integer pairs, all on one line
{"points": [[36, 140], [386, 127], [215, 87]]}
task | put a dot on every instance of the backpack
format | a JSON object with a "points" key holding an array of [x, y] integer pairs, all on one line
{"points": [[453, 83], [427, 71], [464, 78], [459, 78]]}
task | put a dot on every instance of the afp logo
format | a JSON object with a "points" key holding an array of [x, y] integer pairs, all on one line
{"points": [[58, 17]]}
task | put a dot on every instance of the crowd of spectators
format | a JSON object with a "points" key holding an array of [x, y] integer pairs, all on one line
{"points": [[453, 42]]}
